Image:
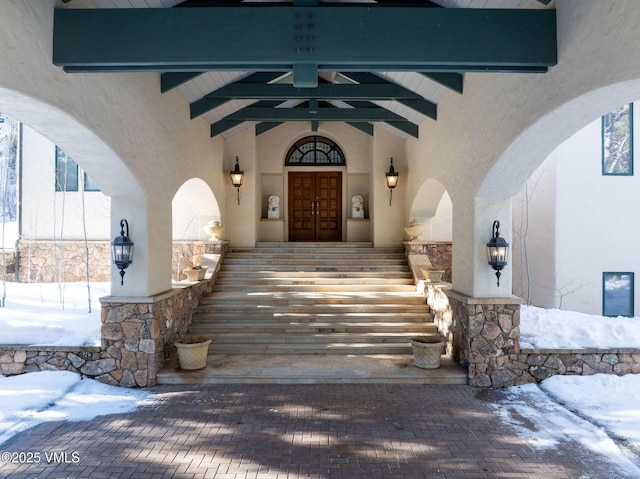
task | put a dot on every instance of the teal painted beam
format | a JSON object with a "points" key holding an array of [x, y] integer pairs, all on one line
{"points": [[305, 75], [252, 113], [266, 126], [402, 125], [171, 80], [362, 126], [453, 81], [420, 105], [324, 91], [227, 123], [223, 125], [331, 37], [207, 103]]}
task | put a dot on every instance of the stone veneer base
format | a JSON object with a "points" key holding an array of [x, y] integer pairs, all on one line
{"points": [[137, 336]]}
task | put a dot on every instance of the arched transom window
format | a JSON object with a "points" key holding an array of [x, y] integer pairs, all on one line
{"points": [[314, 151]]}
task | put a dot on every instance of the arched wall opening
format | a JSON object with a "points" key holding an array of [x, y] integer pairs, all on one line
{"points": [[432, 207], [567, 210], [193, 206], [518, 162], [86, 148]]}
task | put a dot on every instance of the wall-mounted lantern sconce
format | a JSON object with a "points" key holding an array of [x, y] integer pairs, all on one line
{"points": [[392, 180], [122, 250], [497, 250], [237, 176]]}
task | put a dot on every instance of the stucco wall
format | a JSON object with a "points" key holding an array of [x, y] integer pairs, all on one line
{"points": [[140, 146], [579, 224], [262, 160], [48, 214], [137, 144], [489, 140]]}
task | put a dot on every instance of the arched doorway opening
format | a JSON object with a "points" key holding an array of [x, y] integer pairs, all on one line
{"points": [[315, 192]]}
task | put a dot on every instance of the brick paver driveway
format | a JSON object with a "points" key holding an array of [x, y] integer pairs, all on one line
{"points": [[291, 431]]}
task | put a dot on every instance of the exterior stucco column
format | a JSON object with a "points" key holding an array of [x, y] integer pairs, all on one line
{"points": [[242, 216], [149, 221], [472, 228]]}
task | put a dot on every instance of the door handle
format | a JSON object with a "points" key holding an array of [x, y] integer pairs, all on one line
{"points": [[312, 211]]}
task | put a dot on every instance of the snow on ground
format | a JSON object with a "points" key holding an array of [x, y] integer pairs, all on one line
{"points": [[601, 412], [558, 329], [51, 314], [30, 399]]}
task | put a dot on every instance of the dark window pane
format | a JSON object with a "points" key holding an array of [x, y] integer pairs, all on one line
{"points": [[66, 172], [617, 142], [617, 294], [314, 150]]}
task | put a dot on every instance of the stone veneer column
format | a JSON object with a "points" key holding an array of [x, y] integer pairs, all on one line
{"points": [[138, 332], [485, 338]]}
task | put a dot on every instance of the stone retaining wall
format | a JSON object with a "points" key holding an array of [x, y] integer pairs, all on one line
{"points": [[534, 365], [137, 336], [41, 260], [19, 358], [482, 335], [137, 339], [438, 253]]}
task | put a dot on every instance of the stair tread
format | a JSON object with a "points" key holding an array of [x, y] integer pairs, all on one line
{"points": [[313, 298]]}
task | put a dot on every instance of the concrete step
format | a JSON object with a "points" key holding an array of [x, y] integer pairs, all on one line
{"points": [[314, 245], [232, 274], [333, 302], [292, 298], [322, 256], [314, 369], [339, 348], [320, 264], [252, 315], [314, 327], [312, 267], [319, 288], [295, 281]]}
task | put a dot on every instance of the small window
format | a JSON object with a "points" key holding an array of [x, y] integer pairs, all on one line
{"points": [[617, 294], [617, 142], [89, 184], [314, 151], [66, 172]]}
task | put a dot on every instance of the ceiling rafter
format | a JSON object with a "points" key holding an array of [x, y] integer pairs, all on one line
{"points": [[308, 38], [357, 115]]}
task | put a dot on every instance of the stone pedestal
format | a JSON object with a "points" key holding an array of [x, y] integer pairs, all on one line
{"points": [[485, 338]]}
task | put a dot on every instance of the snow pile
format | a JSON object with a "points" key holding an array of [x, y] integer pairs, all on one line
{"points": [[557, 329], [48, 314], [30, 399]]}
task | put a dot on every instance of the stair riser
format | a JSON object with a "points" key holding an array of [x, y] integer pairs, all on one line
{"points": [[299, 329], [318, 288], [257, 279], [319, 307], [316, 258], [252, 317], [243, 275], [311, 269], [281, 350], [313, 299]]}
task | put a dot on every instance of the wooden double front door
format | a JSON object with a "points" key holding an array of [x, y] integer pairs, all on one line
{"points": [[315, 206]]}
